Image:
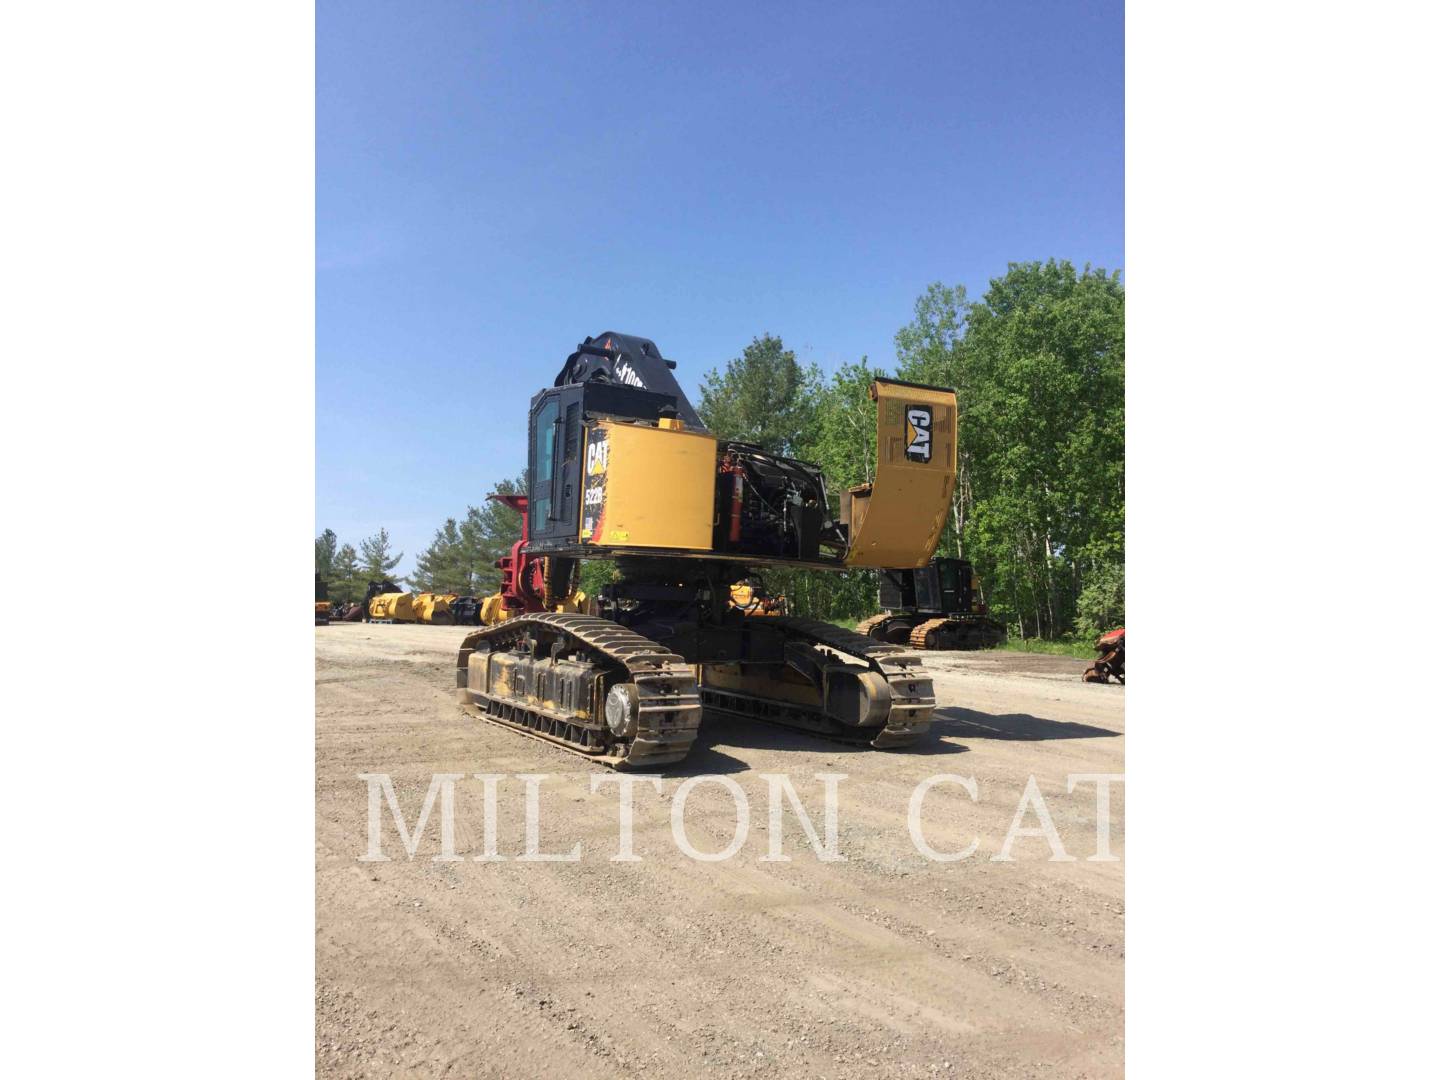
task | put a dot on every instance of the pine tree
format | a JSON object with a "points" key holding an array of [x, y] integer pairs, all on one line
{"points": [[346, 586], [375, 557], [487, 533], [325, 554], [439, 567]]}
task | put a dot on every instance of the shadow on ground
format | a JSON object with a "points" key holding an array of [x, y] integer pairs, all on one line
{"points": [[1021, 727], [719, 732]]}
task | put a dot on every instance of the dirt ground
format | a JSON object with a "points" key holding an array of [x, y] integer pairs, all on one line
{"points": [[885, 964]]}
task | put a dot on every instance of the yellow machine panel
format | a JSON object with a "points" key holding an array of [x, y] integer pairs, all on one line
{"points": [[897, 520], [493, 610], [396, 606], [433, 607], [648, 487]]}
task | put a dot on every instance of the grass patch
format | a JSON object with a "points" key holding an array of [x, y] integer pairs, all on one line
{"points": [[1084, 648]]}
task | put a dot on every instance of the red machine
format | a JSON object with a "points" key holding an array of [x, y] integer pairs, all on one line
{"points": [[518, 593], [1111, 647], [528, 583]]}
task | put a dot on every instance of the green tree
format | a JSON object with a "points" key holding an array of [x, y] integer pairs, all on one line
{"points": [[595, 574], [764, 396], [439, 568], [1039, 367], [375, 557], [1101, 606], [346, 587], [834, 429], [841, 434], [487, 532], [325, 554], [928, 350]]}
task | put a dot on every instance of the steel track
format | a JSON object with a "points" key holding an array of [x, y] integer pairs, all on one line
{"points": [[912, 690], [668, 715]]}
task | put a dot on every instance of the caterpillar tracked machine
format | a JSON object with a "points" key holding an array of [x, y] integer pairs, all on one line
{"points": [[933, 607], [621, 468]]}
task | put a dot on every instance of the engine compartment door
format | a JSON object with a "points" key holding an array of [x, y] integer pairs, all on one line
{"points": [[896, 521]]}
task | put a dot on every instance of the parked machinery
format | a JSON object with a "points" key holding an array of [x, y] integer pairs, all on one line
{"points": [[431, 607], [1111, 662], [621, 468], [753, 598], [322, 601], [465, 610], [385, 602], [936, 606]]}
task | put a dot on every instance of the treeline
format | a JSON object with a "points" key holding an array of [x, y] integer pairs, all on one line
{"points": [[346, 571], [461, 558], [1038, 364], [1039, 367]]}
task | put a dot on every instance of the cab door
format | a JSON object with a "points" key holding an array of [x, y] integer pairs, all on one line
{"points": [[555, 438]]}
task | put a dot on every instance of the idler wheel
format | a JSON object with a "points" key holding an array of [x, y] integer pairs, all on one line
{"points": [[622, 707]]}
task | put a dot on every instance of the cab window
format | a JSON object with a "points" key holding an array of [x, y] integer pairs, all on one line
{"points": [[543, 455]]}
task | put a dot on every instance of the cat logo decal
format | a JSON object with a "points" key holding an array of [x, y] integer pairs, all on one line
{"points": [[917, 432]]}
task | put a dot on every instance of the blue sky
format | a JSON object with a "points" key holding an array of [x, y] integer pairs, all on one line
{"points": [[496, 181]]}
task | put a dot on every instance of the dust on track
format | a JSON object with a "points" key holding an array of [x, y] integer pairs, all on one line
{"points": [[883, 965]]}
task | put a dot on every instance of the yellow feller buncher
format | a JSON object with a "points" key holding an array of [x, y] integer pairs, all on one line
{"points": [[621, 468]]}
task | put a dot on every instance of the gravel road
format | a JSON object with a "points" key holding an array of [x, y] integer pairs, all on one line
{"points": [[885, 964]]}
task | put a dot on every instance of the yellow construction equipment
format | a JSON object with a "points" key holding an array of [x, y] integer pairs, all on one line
{"points": [[752, 599], [939, 606], [392, 607], [431, 607], [621, 468], [493, 609], [322, 601]]}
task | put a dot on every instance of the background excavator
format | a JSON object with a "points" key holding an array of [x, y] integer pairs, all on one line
{"points": [[621, 468], [933, 607]]}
